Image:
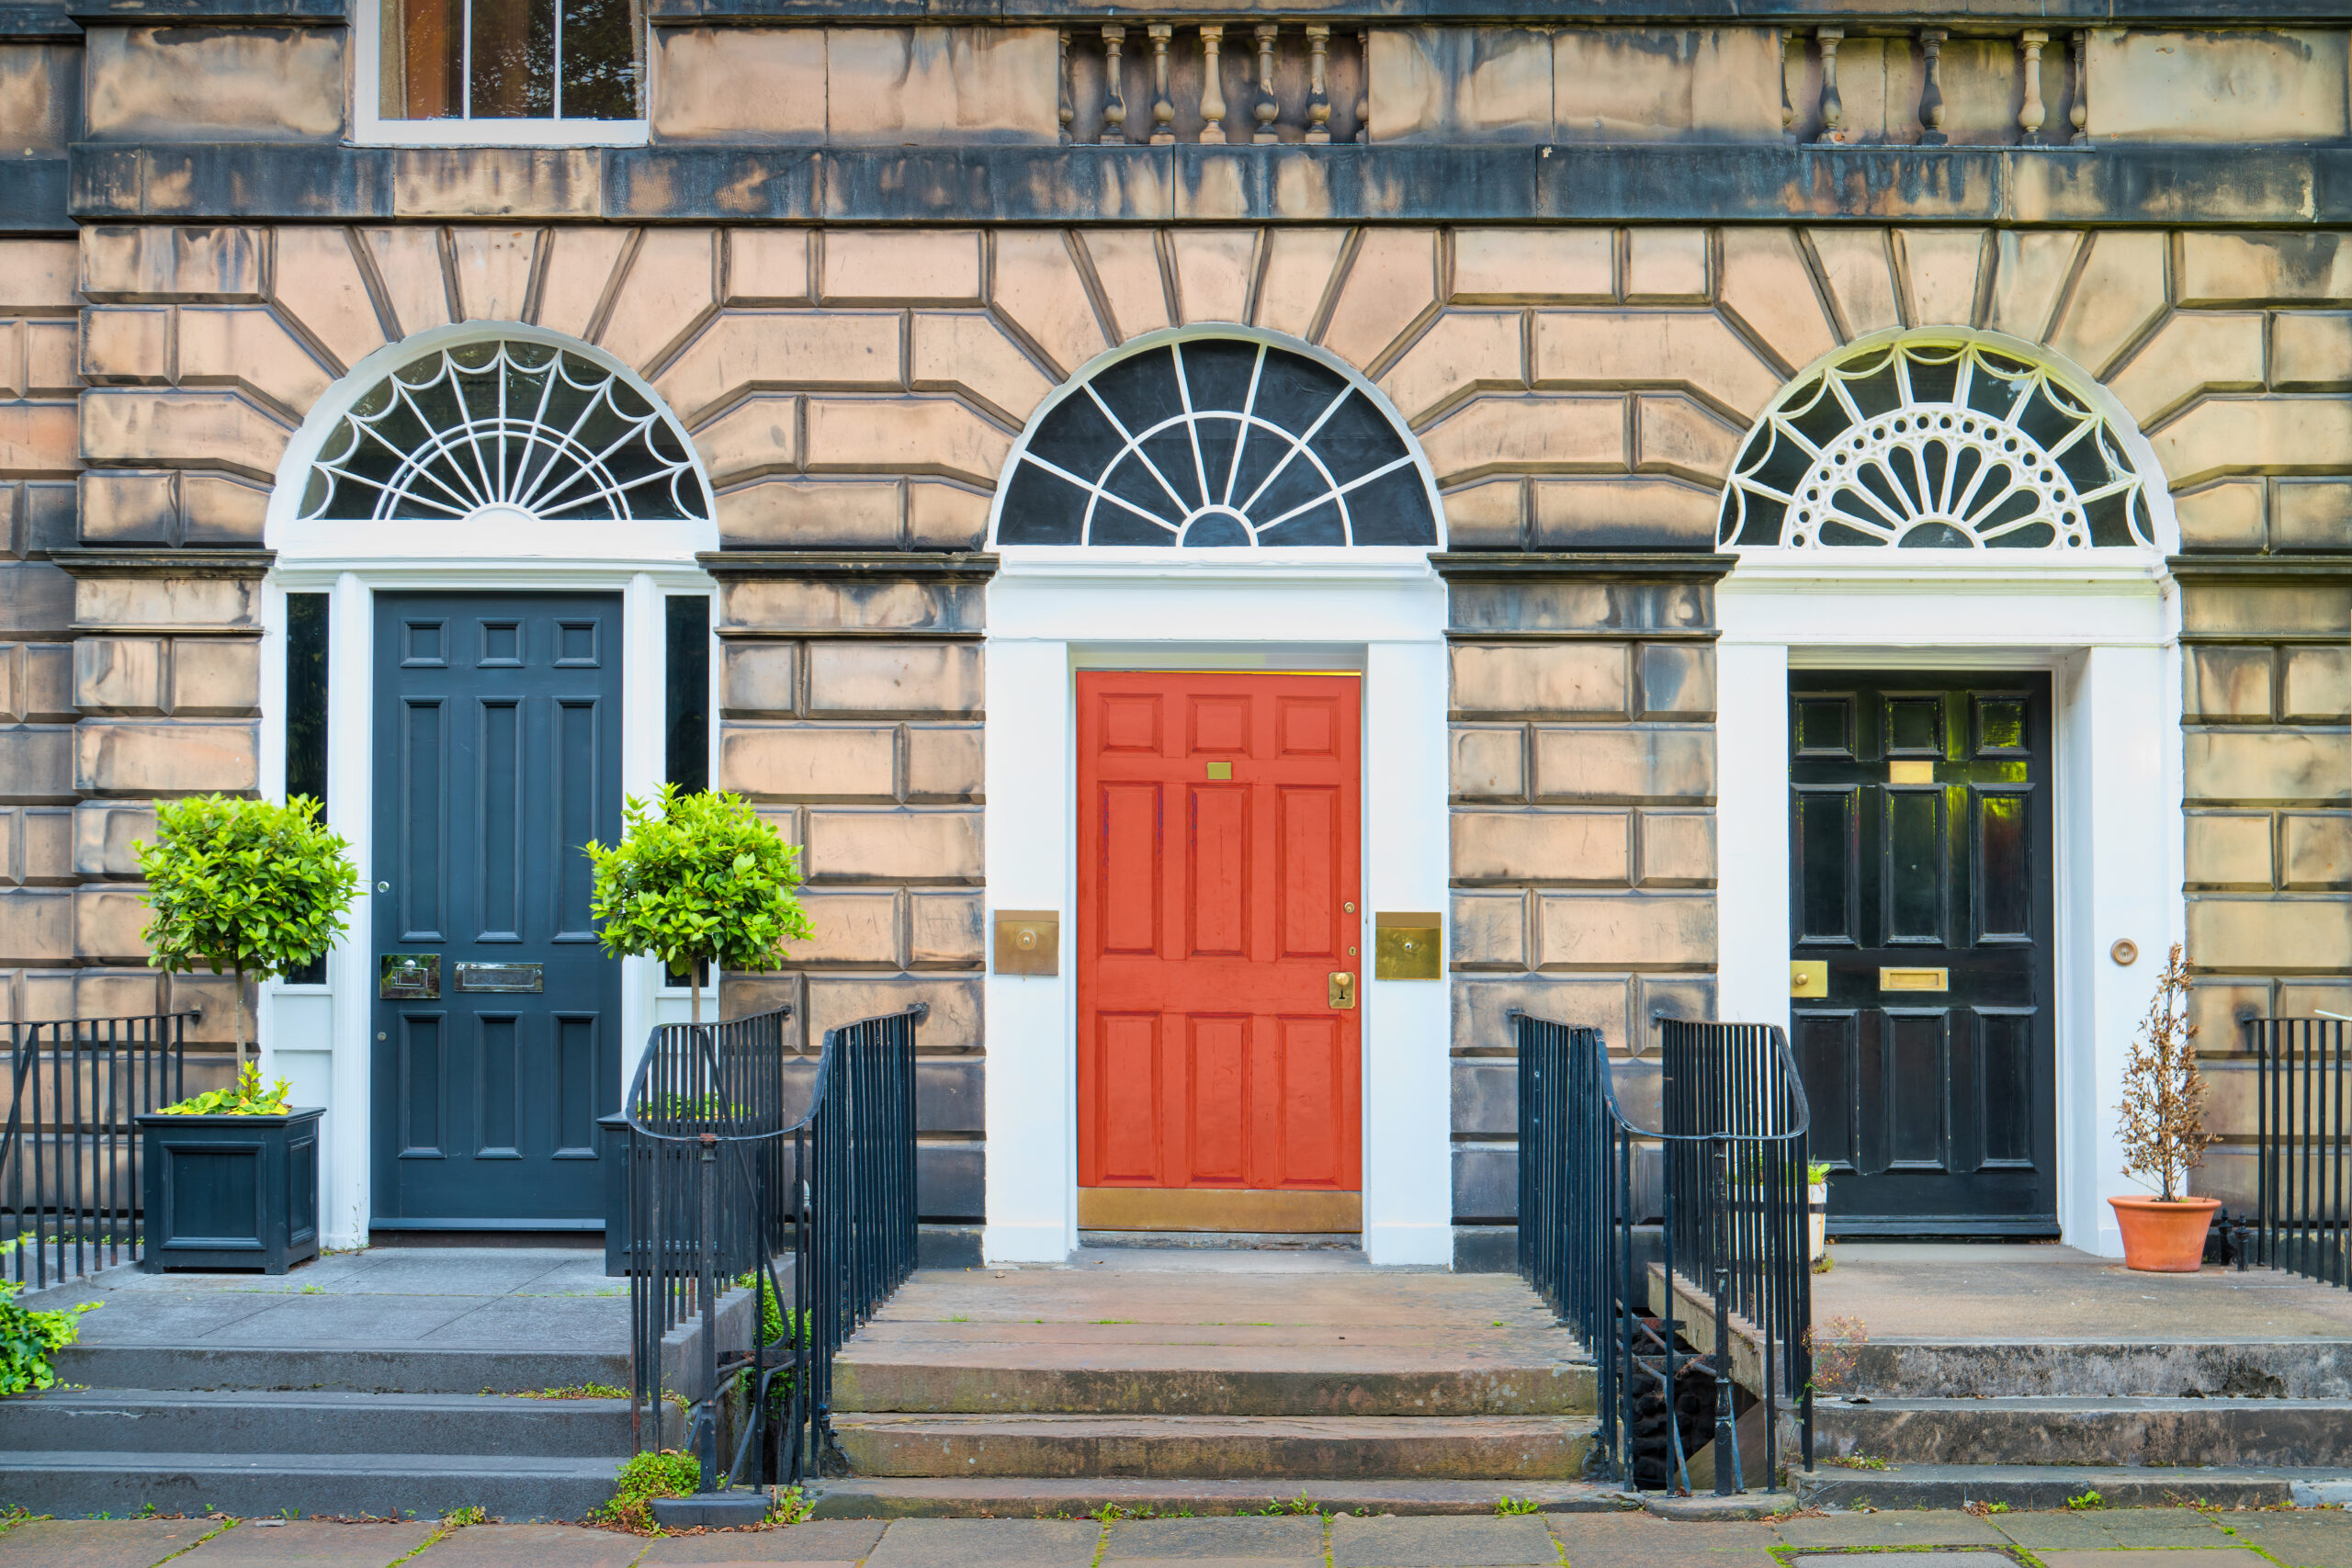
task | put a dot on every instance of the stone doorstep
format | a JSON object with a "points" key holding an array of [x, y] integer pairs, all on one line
{"points": [[2028, 1487], [2150, 1432], [1211, 1381], [1030, 1497]]}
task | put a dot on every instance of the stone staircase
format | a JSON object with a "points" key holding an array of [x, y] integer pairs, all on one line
{"points": [[1204, 1379]]}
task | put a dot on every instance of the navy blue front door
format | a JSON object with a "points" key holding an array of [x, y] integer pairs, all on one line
{"points": [[497, 1023]]}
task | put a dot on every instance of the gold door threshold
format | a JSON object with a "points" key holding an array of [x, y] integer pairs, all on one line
{"points": [[1216, 1208]]}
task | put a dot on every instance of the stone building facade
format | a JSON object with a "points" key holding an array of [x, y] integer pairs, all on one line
{"points": [[854, 262]]}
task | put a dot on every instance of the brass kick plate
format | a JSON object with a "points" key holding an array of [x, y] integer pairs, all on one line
{"points": [[1915, 979], [1220, 769], [410, 977], [1809, 977], [1028, 942], [1407, 945], [1343, 990], [1909, 771]]}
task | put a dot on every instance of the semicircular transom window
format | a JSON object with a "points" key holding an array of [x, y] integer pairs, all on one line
{"points": [[1934, 446], [505, 429], [1210, 442]]}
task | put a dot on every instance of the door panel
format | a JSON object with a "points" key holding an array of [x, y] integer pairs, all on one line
{"points": [[498, 755], [1217, 865], [1920, 843]]}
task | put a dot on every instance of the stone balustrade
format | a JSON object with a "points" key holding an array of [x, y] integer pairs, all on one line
{"points": [[1216, 83]]}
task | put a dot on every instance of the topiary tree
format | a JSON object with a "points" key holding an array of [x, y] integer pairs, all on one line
{"points": [[244, 888], [697, 879]]}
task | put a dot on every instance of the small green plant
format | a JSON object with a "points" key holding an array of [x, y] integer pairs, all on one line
{"points": [[1816, 1172], [668, 1473], [243, 1097], [698, 880], [458, 1518], [1836, 1347], [1822, 1263], [574, 1391], [244, 888], [789, 1506], [1507, 1505], [1855, 1461], [28, 1337], [1301, 1503], [2086, 1502]]}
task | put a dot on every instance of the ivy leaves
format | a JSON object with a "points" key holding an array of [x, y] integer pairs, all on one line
{"points": [[697, 879]]}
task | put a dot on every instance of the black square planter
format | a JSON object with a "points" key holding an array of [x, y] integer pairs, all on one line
{"points": [[231, 1191]]}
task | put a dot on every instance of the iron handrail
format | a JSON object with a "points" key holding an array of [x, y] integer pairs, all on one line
{"points": [[2303, 1148]]}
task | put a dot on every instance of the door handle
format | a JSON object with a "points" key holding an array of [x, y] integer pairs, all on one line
{"points": [[1343, 990]]}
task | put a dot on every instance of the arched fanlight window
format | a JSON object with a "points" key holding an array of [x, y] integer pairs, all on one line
{"points": [[1218, 441], [1933, 444], [509, 426]]}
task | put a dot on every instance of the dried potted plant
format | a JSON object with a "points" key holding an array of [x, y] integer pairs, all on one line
{"points": [[2164, 1133], [251, 890]]}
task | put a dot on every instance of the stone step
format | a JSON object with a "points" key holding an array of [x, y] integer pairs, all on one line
{"points": [[2029, 1486], [1022, 1497], [358, 1368], [1216, 1447], [77, 1483], [2168, 1432], [2226, 1369], [1204, 1381], [252, 1422]]}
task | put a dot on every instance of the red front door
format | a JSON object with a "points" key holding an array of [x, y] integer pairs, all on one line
{"points": [[1217, 902]]}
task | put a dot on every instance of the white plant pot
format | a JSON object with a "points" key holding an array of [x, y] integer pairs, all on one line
{"points": [[1817, 1219]]}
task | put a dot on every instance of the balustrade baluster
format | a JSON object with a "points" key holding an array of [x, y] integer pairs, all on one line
{"points": [[2030, 113], [2079, 114], [1788, 104], [1833, 107], [1211, 85], [1114, 100], [1931, 91], [1318, 93], [1266, 108], [1163, 111], [1064, 107], [1363, 86]]}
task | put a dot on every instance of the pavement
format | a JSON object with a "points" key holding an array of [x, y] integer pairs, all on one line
{"points": [[2153, 1537]]}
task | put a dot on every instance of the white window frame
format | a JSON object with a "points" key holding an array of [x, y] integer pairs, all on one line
{"points": [[371, 127]]}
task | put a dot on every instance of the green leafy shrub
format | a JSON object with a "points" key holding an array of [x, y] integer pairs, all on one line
{"points": [[243, 888], [667, 1472], [243, 1097], [697, 879], [28, 1336]]}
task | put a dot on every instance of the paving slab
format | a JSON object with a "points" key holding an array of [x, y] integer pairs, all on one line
{"points": [[1943, 1560], [2222, 1557], [813, 1540], [2305, 1538], [1645, 1540], [972, 1543], [1388, 1543], [2092, 1530], [1135, 1541], [100, 1543], [530, 1546], [1931, 1527], [310, 1543]]}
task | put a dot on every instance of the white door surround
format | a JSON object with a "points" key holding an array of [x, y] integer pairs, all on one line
{"points": [[2107, 628], [1054, 611]]}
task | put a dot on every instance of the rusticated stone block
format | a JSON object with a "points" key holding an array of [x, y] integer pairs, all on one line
{"points": [[1489, 516], [945, 517], [2229, 849], [2222, 435], [36, 925], [1036, 285], [943, 762], [2315, 851], [758, 436], [36, 764], [36, 600], [1462, 352], [409, 266], [1214, 270], [1487, 929], [2265, 609], [1390, 285], [1576, 847], [954, 352], [2309, 351], [131, 603], [1489, 761], [582, 260], [2229, 683], [2309, 515], [904, 435], [2119, 294], [851, 928], [847, 679], [129, 757], [118, 675], [1541, 681], [671, 289], [494, 271], [40, 85], [37, 438], [801, 515], [317, 283], [1678, 848], [1768, 286], [1611, 513], [2277, 85], [949, 1094], [1126, 264], [2258, 766], [2313, 684], [2196, 352], [215, 676], [920, 85], [1692, 349], [1674, 435], [759, 678], [1626, 931], [1485, 1183], [1666, 266], [51, 358], [1458, 83], [1665, 83], [42, 276], [211, 84], [809, 761], [134, 993], [1593, 762], [766, 266], [1497, 434], [247, 347], [951, 1181], [2272, 936], [45, 689], [44, 844], [2221, 1009], [125, 345], [929, 266], [148, 262], [915, 844], [1857, 266], [2030, 271], [1941, 268], [1677, 681], [1512, 267], [180, 430], [817, 604], [107, 923], [944, 931], [2265, 269], [104, 834], [738, 85], [1300, 264], [747, 351]]}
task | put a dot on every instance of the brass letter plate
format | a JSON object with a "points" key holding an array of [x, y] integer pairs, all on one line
{"points": [[1915, 979], [1028, 942], [1908, 772], [522, 977], [1809, 977], [1407, 945], [411, 977]]}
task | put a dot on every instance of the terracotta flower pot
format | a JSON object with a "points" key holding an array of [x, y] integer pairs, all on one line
{"points": [[2164, 1238]]}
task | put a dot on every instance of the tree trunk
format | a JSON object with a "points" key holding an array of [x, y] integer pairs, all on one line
{"points": [[693, 991], [237, 1006]]}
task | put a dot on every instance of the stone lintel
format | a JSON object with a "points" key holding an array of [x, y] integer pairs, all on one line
{"points": [[2330, 566], [2297, 186], [207, 12], [910, 566], [1582, 565], [244, 564]]}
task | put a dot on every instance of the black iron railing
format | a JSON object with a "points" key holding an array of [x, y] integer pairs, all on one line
{"points": [[739, 1161], [1727, 1201], [69, 1193], [2303, 1144]]}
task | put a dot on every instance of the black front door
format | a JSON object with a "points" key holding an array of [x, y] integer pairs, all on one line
{"points": [[1920, 915], [498, 751]]}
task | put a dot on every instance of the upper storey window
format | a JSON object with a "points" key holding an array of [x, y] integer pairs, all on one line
{"points": [[539, 71]]}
